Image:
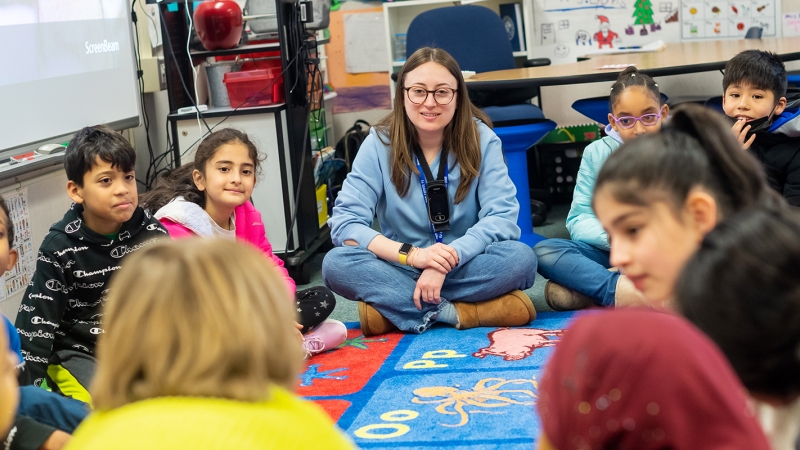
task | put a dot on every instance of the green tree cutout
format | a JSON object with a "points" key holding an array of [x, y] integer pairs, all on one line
{"points": [[643, 12]]}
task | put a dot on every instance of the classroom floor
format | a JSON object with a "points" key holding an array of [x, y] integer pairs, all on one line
{"points": [[554, 227]]}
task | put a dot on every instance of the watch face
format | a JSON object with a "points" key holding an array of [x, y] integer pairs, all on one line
{"points": [[405, 248]]}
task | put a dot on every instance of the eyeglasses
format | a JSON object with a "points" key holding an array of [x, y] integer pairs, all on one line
{"points": [[442, 96], [647, 120]]}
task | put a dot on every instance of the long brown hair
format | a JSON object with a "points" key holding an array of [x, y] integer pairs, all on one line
{"points": [[179, 182], [199, 318], [461, 136]]}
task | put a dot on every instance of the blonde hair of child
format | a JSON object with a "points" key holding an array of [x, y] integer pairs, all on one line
{"points": [[196, 317]]}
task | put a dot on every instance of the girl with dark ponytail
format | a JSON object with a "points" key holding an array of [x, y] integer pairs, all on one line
{"points": [[658, 196]]}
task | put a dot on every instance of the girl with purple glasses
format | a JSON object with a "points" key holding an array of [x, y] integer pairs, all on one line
{"points": [[578, 269]]}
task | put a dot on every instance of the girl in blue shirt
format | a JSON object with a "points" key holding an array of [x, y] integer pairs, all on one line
{"points": [[578, 268], [466, 271]]}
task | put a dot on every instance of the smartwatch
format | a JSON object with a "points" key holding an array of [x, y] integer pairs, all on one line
{"points": [[405, 249]]}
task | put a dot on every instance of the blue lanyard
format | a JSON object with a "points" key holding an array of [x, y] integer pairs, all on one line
{"points": [[423, 183]]}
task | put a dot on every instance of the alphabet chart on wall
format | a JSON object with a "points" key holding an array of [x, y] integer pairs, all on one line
{"points": [[703, 19], [17, 278]]}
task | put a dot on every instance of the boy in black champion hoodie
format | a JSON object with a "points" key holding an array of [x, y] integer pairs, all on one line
{"points": [[60, 317]]}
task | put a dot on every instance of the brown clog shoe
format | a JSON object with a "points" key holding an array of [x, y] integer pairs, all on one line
{"points": [[373, 322], [508, 310]]}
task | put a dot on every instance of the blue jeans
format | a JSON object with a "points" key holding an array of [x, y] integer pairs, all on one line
{"points": [[579, 266], [51, 409], [357, 274]]}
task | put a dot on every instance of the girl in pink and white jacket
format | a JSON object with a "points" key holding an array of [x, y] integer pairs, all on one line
{"points": [[210, 197]]}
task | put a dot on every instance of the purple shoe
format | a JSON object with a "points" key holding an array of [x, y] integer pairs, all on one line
{"points": [[326, 336]]}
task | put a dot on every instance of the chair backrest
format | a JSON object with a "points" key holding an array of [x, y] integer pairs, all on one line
{"points": [[474, 35], [754, 33]]}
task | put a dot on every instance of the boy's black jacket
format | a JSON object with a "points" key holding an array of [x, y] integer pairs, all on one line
{"points": [[780, 155], [61, 309]]}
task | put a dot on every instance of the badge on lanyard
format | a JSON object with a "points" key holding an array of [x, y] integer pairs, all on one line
{"points": [[434, 191]]}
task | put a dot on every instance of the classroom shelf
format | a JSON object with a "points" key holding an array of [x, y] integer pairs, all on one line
{"points": [[229, 111], [250, 48], [286, 196]]}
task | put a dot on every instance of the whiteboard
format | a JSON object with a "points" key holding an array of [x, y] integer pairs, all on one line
{"points": [[365, 42]]}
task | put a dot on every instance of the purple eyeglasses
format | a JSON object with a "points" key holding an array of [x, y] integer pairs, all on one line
{"points": [[647, 120]]}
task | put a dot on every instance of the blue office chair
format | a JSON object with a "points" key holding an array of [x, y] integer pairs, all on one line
{"points": [[715, 103], [596, 108], [476, 37], [794, 79], [753, 33]]}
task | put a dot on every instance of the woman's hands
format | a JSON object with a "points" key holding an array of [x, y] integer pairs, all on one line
{"points": [[436, 261], [440, 257], [429, 287]]}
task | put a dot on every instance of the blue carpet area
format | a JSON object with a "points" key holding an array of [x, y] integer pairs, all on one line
{"points": [[471, 389]]}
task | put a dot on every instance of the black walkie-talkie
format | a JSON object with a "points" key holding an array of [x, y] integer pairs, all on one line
{"points": [[436, 196], [438, 204]]}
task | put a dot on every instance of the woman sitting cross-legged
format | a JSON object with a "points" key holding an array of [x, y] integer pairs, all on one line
{"points": [[433, 171]]}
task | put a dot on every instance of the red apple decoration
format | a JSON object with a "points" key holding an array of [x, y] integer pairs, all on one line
{"points": [[219, 24]]}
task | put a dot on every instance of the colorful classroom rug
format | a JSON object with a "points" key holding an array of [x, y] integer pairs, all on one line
{"points": [[471, 389]]}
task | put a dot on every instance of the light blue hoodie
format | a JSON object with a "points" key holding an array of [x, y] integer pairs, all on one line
{"points": [[582, 224], [487, 214]]}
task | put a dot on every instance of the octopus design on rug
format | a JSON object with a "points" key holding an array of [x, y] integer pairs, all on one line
{"points": [[487, 393]]}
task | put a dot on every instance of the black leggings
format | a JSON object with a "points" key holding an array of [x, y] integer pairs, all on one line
{"points": [[313, 305]]}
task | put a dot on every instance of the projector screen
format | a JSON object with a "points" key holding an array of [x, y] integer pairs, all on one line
{"points": [[64, 65]]}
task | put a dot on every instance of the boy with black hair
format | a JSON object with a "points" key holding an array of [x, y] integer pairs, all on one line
{"points": [[766, 117], [60, 317]]}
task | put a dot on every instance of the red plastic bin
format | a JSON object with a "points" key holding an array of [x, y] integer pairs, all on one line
{"points": [[254, 87]]}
